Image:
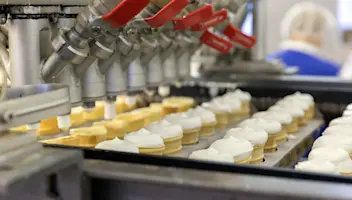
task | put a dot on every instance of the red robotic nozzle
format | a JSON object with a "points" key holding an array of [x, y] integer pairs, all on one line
{"points": [[193, 18], [125, 11], [217, 18], [237, 36], [166, 13], [216, 42]]}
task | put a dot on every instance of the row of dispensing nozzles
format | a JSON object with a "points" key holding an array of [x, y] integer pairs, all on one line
{"points": [[114, 47]]}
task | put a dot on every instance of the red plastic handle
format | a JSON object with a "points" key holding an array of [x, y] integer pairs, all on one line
{"points": [[217, 18], [237, 36], [166, 14], [193, 18], [124, 12], [216, 42]]}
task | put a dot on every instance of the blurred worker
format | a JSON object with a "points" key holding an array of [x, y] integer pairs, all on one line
{"points": [[305, 30]]}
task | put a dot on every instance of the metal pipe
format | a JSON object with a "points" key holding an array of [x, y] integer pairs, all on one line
{"points": [[259, 29], [70, 78], [93, 82], [116, 78], [183, 64], [5, 60], [44, 2], [88, 27], [170, 68], [24, 40], [136, 75], [155, 71], [68, 75]]}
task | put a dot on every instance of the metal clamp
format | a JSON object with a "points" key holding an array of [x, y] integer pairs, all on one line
{"points": [[193, 18], [28, 104], [216, 42], [124, 12], [237, 36], [166, 13], [217, 18]]}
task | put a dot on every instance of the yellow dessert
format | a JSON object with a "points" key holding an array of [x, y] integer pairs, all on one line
{"points": [[90, 136], [257, 138], [77, 117], [158, 106], [272, 128], [240, 149], [222, 114], [208, 119], [48, 126], [66, 140], [19, 129], [96, 114], [150, 114], [135, 121], [232, 106], [171, 134], [147, 142], [122, 106], [191, 126], [177, 104], [245, 99], [114, 128]]}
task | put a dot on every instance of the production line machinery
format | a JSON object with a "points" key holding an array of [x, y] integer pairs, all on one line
{"points": [[110, 48], [106, 51]]}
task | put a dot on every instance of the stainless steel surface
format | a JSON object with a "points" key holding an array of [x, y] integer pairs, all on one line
{"points": [[170, 72], [93, 83], [93, 78], [116, 77], [228, 76], [69, 77], [137, 79], [183, 64], [155, 71], [24, 40], [63, 55], [259, 29], [29, 104], [258, 68], [134, 181], [27, 176], [89, 26]]}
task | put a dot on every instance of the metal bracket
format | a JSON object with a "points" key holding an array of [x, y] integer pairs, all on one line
{"points": [[28, 104]]}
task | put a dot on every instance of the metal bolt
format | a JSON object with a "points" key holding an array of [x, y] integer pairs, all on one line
{"points": [[3, 18], [132, 32], [96, 30], [7, 117]]}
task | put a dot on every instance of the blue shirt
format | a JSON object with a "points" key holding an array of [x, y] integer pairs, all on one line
{"points": [[308, 64]]}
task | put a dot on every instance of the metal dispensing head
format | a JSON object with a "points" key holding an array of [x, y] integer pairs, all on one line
{"points": [[90, 39], [190, 16], [136, 45], [141, 32], [96, 19]]}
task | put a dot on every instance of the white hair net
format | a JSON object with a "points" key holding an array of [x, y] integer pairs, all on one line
{"points": [[307, 19]]}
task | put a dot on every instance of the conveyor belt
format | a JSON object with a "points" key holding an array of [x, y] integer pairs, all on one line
{"points": [[288, 153]]}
